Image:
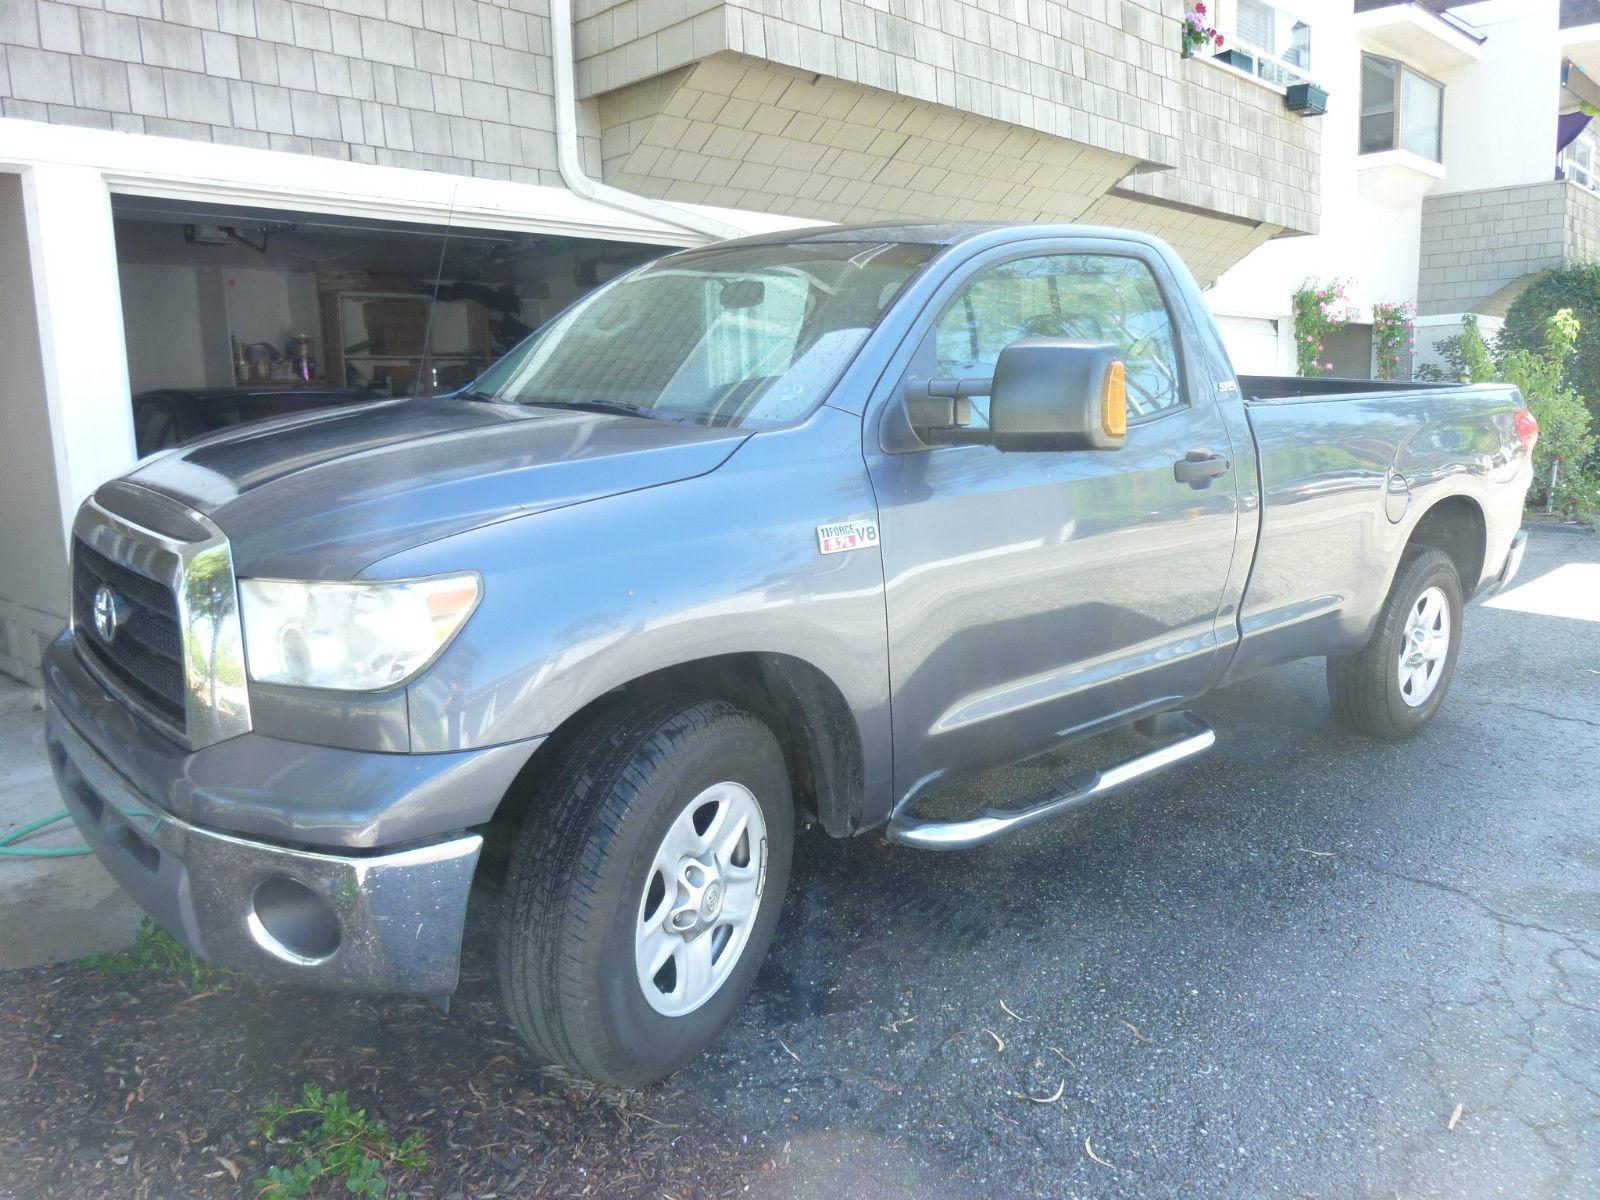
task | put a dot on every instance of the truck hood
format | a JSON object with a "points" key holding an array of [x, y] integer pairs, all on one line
{"points": [[325, 495]]}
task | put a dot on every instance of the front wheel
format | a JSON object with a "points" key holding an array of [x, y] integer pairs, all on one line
{"points": [[1392, 686], [640, 902]]}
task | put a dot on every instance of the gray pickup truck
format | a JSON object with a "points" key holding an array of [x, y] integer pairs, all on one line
{"points": [[804, 528]]}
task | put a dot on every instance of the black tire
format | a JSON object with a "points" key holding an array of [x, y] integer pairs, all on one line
{"points": [[1365, 687], [579, 868]]}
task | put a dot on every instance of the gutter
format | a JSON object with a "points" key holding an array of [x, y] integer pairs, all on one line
{"points": [[571, 164]]}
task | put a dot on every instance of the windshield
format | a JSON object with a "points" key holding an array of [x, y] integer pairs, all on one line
{"points": [[747, 336]]}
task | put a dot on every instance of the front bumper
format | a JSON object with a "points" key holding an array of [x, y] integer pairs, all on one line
{"points": [[388, 921]]}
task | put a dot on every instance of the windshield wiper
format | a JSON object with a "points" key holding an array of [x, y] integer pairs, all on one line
{"points": [[621, 407]]}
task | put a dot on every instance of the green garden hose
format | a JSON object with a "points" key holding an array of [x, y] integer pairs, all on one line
{"points": [[10, 849]]}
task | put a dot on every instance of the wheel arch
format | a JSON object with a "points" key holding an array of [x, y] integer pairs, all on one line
{"points": [[1456, 525], [805, 709]]}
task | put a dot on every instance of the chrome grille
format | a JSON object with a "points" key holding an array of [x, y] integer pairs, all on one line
{"points": [[176, 653], [146, 654]]}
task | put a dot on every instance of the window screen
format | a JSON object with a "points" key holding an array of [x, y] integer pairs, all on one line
{"points": [[1089, 297]]}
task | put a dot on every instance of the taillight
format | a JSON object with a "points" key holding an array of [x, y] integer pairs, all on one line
{"points": [[1527, 429]]}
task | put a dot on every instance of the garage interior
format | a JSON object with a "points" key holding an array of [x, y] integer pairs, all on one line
{"points": [[233, 314]]}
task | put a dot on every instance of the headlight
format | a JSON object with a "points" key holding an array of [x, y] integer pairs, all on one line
{"points": [[358, 637]]}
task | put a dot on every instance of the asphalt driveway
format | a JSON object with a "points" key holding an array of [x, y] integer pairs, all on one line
{"points": [[1306, 965]]}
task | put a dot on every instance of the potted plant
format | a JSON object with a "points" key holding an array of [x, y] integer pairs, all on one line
{"points": [[1196, 33]]}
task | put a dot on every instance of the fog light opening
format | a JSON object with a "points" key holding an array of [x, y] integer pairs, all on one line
{"points": [[291, 922]]}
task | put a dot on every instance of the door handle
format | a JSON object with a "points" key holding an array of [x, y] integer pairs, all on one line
{"points": [[1199, 467]]}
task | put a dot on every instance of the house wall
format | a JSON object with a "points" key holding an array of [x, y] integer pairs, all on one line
{"points": [[32, 601], [1475, 243], [1243, 155], [1500, 114], [447, 85], [1388, 228], [1102, 74]]}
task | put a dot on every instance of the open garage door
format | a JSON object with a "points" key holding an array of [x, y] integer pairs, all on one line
{"points": [[234, 314]]}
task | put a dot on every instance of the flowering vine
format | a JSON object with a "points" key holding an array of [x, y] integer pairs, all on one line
{"points": [[1196, 33], [1394, 329], [1315, 317]]}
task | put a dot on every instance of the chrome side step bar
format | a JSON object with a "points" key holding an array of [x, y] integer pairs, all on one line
{"points": [[1194, 737]]}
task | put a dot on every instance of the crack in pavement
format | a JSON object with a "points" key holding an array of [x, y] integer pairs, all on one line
{"points": [[1528, 708]]}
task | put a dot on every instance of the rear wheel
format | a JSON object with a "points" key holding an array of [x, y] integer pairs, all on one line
{"points": [[1392, 687], [640, 903]]}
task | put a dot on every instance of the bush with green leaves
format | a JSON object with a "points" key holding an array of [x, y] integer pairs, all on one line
{"points": [[334, 1143], [1575, 287], [1565, 438], [1467, 357]]}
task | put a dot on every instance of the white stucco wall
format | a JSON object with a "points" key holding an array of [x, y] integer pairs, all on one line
{"points": [[1500, 115]]}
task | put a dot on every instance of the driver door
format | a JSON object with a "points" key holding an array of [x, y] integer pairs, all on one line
{"points": [[1038, 596]]}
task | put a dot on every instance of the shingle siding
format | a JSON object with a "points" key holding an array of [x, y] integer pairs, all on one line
{"points": [[475, 74], [1243, 155], [1105, 74]]}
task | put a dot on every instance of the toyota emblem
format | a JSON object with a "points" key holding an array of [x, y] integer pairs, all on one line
{"points": [[108, 613]]}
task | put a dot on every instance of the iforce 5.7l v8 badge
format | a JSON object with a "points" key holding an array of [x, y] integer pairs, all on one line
{"points": [[847, 535]]}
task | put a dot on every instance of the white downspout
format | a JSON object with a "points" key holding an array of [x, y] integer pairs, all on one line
{"points": [[571, 164]]}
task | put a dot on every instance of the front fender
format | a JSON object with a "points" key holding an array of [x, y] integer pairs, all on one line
{"points": [[584, 599]]}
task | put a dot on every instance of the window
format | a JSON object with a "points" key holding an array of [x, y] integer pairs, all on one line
{"points": [[1400, 109], [1094, 297], [1581, 161], [1269, 43]]}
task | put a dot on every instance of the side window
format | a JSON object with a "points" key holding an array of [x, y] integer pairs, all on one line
{"points": [[1092, 297]]}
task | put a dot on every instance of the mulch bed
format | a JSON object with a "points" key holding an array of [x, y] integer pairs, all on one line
{"points": [[134, 1086]]}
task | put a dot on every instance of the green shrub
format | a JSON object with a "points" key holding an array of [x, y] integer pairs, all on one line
{"points": [[1542, 374], [1565, 440], [1575, 287], [1466, 357]]}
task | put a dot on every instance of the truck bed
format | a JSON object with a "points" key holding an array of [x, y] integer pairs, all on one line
{"points": [[1293, 387], [1344, 465]]}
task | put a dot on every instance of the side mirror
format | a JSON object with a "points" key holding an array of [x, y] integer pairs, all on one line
{"points": [[1058, 394], [1045, 394]]}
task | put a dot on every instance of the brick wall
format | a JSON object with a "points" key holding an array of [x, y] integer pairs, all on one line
{"points": [[1475, 243], [450, 85]]}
